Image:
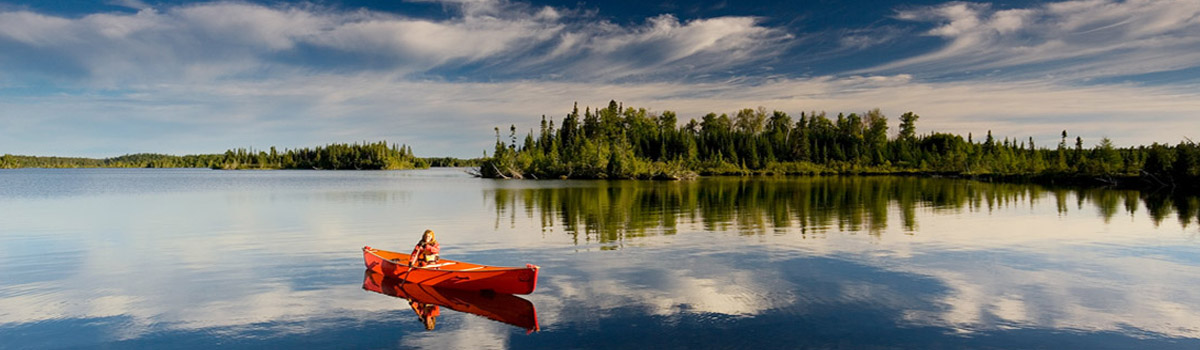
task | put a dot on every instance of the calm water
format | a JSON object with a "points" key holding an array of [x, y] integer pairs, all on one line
{"points": [[149, 258]]}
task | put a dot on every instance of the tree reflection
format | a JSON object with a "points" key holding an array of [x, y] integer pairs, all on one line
{"points": [[610, 212]]}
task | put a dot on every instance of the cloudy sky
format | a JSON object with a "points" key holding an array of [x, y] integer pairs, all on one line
{"points": [[100, 79]]}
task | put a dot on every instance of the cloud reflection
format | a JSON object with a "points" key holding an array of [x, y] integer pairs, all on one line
{"points": [[1112, 294], [708, 287], [877, 261], [1004, 257]]}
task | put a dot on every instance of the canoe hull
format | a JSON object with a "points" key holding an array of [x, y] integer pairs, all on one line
{"points": [[506, 308], [453, 274]]}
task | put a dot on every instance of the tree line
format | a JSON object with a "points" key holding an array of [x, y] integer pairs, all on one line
{"points": [[140, 160], [451, 162], [627, 142], [338, 156]]}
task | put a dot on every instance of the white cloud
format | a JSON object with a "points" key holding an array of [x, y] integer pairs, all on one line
{"points": [[220, 41], [202, 78], [665, 43], [429, 43], [33, 28], [252, 26], [1071, 40], [449, 118], [133, 4]]}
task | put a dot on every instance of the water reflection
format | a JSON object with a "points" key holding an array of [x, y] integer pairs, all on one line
{"points": [[611, 212], [967, 263], [798, 301], [425, 302], [206, 259]]}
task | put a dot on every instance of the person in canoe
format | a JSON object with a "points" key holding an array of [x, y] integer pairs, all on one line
{"points": [[428, 313], [426, 251]]}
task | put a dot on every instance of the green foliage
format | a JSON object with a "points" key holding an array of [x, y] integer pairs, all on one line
{"points": [[378, 155], [626, 143], [450, 162], [338, 156], [140, 160]]}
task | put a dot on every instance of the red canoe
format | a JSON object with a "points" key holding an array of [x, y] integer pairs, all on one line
{"points": [[505, 308], [453, 274]]}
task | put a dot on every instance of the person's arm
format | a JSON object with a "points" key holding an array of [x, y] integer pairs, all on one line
{"points": [[412, 258]]}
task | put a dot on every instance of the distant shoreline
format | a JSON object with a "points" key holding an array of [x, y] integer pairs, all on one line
{"points": [[356, 156]]}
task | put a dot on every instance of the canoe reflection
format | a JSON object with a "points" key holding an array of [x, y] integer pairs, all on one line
{"points": [[425, 301]]}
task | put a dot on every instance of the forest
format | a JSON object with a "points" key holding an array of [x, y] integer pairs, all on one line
{"points": [[620, 142], [338, 156], [365, 156], [140, 160]]}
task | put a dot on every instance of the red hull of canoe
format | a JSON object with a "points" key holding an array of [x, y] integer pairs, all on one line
{"points": [[505, 308], [453, 274]]}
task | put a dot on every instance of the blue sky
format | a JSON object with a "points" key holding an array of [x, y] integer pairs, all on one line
{"points": [[100, 79]]}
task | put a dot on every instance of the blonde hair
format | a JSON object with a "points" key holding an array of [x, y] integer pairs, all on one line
{"points": [[432, 238]]}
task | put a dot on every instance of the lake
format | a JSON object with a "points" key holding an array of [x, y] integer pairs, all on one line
{"points": [[192, 258]]}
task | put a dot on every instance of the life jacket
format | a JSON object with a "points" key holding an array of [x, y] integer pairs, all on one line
{"points": [[425, 253], [429, 253]]}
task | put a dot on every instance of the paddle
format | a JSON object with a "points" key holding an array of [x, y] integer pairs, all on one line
{"points": [[410, 267]]}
